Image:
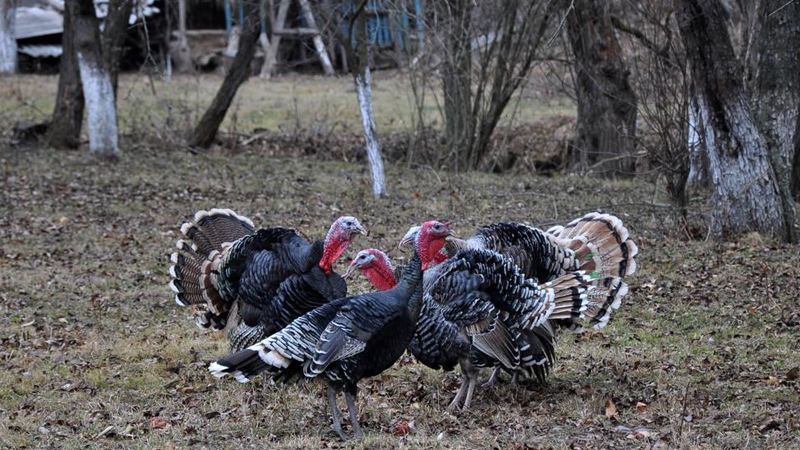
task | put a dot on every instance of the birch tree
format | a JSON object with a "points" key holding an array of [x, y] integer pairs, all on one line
{"points": [[8, 43]]}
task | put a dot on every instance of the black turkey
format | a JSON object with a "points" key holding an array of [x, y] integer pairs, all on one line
{"points": [[345, 340], [256, 281]]}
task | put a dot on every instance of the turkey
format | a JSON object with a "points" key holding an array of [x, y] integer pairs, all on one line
{"points": [[595, 243], [255, 282], [478, 310], [345, 340]]}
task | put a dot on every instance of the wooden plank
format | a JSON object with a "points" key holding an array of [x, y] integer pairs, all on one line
{"points": [[296, 32]]}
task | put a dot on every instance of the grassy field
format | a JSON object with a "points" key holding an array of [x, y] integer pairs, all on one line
{"points": [[284, 103], [703, 354]]}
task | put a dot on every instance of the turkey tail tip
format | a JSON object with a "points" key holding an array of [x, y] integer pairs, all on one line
{"points": [[218, 370], [186, 227], [180, 302]]}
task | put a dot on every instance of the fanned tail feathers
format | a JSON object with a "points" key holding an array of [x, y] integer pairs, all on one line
{"points": [[199, 254], [566, 297], [602, 244]]}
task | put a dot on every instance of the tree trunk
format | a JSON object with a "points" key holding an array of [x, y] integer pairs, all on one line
{"points": [[8, 43], [363, 80], [606, 125], [96, 81], [113, 37], [796, 163], [777, 91], [745, 196], [206, 130], [64, 130], [457, 79]]}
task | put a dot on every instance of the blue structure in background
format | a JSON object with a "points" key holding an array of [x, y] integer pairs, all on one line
{"points": [[386, 31]]}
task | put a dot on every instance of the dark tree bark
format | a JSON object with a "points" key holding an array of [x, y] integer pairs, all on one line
{"points": [[796, 163], [64, 129], [113, 36], [745, 190], [206, 130], [606, 101], [777, 91], [457, 78]]}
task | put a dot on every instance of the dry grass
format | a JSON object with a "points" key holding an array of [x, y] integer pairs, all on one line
{"points": [[285, 103], [92, 339]]}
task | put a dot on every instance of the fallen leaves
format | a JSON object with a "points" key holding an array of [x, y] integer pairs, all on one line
{"points": [[402, 427], [157, 422], [611, 408], [641, 407]]}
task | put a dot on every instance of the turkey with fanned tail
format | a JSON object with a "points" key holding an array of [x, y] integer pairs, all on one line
{"points": [[345, 340], [253, 283], [598, 244], [478, 310]]}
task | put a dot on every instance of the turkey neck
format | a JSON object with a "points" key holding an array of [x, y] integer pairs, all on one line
{"points": [[333, 248], [381, 277], [410, 286]]}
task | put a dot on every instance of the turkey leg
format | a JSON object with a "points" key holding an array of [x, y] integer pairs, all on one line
{"points": [[337, 424], [351, 407]]}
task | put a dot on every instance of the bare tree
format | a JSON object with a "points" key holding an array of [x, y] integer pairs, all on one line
{"points": [[96, 81], [606, 127], [206, 130], [8, 43], [488, 49], [660, 77], [352, 35], [746, 190]]}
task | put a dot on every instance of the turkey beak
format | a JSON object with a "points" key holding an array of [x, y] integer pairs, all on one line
{"points": [[363, 231], [405, 241], [350, 269]]}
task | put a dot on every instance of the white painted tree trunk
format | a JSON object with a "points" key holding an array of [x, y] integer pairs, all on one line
{"points": [[99, 94], [8, 43], [364, 90]]}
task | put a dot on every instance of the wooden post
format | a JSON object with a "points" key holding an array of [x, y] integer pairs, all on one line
{"points": [[271, 59], [319, 46], [8, 43]]}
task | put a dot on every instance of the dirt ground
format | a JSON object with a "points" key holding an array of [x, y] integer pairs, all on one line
{"points": [[703, 354]]}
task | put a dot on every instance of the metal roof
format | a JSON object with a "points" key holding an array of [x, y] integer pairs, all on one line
{"points": [[34, 22]]}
